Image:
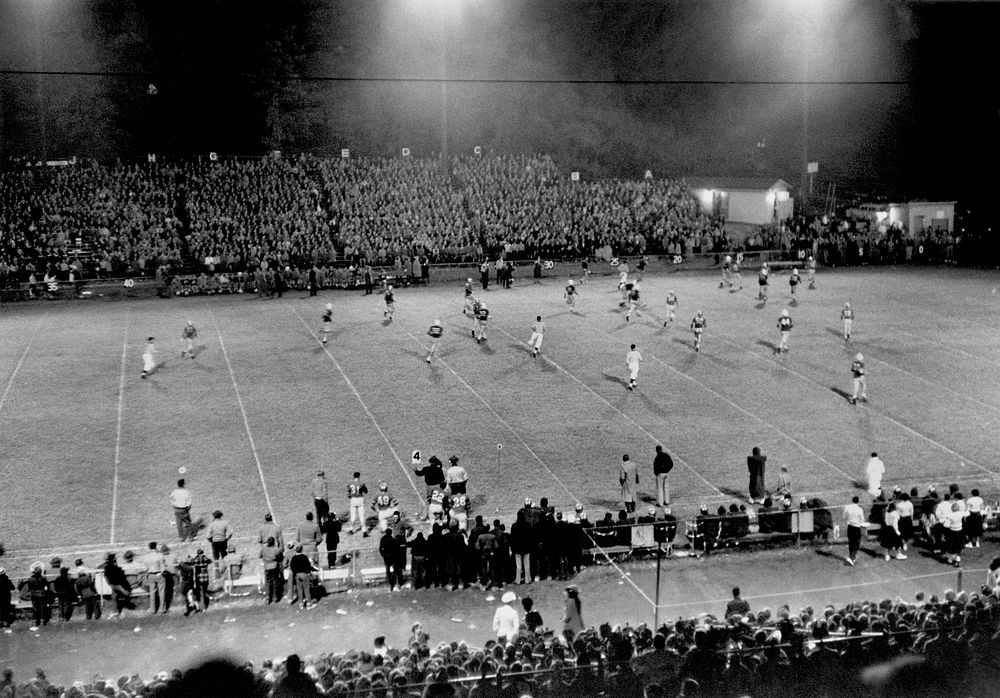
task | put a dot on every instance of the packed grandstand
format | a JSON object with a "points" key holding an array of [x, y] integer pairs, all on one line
{"points": [[90, 220]]}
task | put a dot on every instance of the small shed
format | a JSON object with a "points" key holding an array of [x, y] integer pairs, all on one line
{"points": [[744, 200], [915, 217]]}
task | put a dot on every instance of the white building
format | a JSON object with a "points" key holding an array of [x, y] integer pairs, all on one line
{"points": [[915, 217], [743, 200]]}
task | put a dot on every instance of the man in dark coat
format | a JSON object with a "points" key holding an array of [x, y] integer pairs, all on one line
{"points": [[433, 474], [523, 545], [38, 590], [331, 529], [6, 608], [437, 567], [755, 465], [388, 548], [455, 552]]}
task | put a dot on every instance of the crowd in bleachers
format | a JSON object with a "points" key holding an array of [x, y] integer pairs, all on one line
{"points": [[244, 214], [941, 645]]}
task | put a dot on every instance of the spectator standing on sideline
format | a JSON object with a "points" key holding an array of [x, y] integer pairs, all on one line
{"points": [[662, 465], [321, 496], [854, 516], [522, 544], [86, 589], [65, 592], [270, 555], [388, 548], [200, 565], [6, 608], [310, 537], [532, 618], [457, 477], [433, 474], [180, 500], [506, 620], [356, 491], [874, 470], [331, 528], [628, 477], [270, 530], [737, 606], [155, 565], [301, 569], [119, 584], [38, 590], [756, 465], [219, 534], [572, 615]]}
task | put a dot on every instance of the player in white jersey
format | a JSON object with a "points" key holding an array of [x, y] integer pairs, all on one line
{"points": [[632, 360], [570, 296], [148, 358], [734, 272], [698, 325], [847, 315], [811, 270], [727, 262], [672, 305], [326, 325], [435, 332], [622, 274], [537, 335], [188, 335], [785, 327], [762, 277]]}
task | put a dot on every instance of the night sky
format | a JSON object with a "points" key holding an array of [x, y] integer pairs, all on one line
{"points": [[903, 100]]}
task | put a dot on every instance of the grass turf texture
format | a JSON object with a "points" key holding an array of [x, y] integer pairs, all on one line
{"points": [[74, 474]]}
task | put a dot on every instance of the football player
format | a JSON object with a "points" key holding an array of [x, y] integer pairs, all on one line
{"points": [[698, 325], [860, 385], [537, 335], [847, 315], [327, 324], [188, 335], [570, 296], [671, 306], [434, 333], [785, 327]]}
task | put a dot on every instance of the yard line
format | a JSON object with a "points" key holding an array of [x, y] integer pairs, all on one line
{"points": [[24, 354], [118, 433], [884, 416], [817, 590], [606, 402], [534, 455], [957, 394], [786, 435], [246, 422], [950, 348], [371, 417]]}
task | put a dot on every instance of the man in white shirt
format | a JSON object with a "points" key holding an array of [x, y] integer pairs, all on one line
{"points": [[874, 470], [854, 516], [180, 500], [632, 360], [156, 565], [505, 620]]}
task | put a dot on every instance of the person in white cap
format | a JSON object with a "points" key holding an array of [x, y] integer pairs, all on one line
{"points": [[148, 358], [537, 334], [188, 335], [327, 323], [860, 385], [874, 470], [847, 315], [506, 620], [434, 332], [785, 327]]}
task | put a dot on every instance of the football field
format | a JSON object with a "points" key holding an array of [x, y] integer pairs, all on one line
{"points": [[89, 452]]}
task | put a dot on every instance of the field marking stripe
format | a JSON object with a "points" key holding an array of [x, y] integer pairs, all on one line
{"points": [[882, 415], [951, 348], [606, 402], [357, 395], [534, 455], [937, 386], [118, 434], [24, 354], [818, 590], [763, 421], [243, 412]]}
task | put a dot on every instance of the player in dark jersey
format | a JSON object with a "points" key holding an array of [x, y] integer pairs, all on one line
{"points": [[762, 276], [785, 327], [434, 333], [633, 303], [390, 303], [327, 324], [482, 316], [794, 280]]}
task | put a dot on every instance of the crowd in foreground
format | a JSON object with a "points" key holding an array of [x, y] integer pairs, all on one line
{"points": [[942, 645]]}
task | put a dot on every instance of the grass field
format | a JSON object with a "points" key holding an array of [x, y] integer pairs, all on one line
{"points": [[90, 451]]}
